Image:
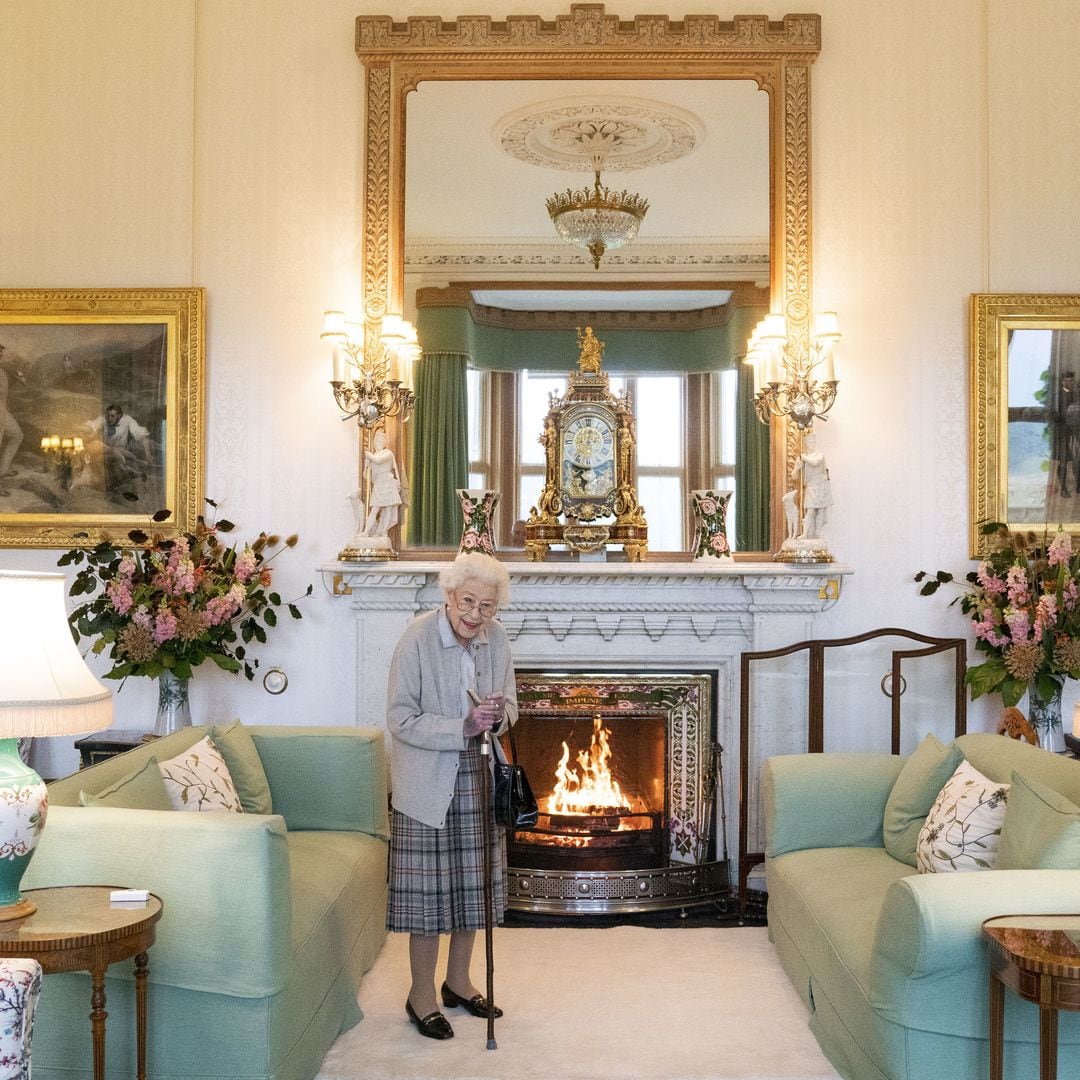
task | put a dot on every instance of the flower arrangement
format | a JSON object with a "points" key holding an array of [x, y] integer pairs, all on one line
{"points": [[1024, 605], [171, 604]]}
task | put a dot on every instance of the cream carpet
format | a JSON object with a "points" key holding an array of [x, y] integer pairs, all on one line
{"points": [[626, 1003]]}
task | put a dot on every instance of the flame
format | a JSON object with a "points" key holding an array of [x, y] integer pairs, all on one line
{"points": [[595, 789]]}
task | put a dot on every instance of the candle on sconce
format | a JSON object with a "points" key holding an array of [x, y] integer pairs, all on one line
{"points": [[1076, 720], [828, 367], [338, 362]]}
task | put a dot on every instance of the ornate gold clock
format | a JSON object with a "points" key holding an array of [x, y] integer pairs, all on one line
{"points": [[588, 501]]}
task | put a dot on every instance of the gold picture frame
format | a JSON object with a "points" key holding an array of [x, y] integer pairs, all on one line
{"points": [[101, 413], [1025, 413]]}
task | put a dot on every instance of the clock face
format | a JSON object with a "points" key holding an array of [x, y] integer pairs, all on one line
{"points": [[588, 457], [588, 441]]}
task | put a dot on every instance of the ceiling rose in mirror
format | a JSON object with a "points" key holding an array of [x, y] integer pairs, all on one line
{"points": [[597, 133], [636, 133]]}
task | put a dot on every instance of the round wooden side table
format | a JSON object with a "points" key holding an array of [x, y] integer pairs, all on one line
{"points": [[76, 928], [1038, 957]]}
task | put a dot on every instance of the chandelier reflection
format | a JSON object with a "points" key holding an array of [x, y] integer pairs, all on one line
{"points": [[597, 219], [790, 379]]}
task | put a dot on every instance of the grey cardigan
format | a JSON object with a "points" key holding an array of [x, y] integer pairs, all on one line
{"points": [[424, 716]]}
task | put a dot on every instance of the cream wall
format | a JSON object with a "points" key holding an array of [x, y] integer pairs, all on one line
{"points": [[218, 144]]}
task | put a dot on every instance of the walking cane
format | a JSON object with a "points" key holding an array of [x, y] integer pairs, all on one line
{"points": [[489, 900]]}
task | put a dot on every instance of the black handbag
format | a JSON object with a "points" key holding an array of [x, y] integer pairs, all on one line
{"points": [[515, 804]]}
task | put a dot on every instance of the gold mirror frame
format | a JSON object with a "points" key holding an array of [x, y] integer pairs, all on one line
{"points": [[589, 43], [994, 317]]}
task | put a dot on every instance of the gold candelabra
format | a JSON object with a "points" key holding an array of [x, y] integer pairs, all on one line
{"points": [[790, 379], [367, 389]]}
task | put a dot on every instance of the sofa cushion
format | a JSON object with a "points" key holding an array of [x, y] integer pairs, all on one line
{"points": [[1041, 830], [237, 747], [143, 789], [996, 756], [917, 787], [198, 779], [962, 830]]}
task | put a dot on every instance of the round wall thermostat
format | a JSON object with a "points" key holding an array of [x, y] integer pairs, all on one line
{"points": [[275, 681]]}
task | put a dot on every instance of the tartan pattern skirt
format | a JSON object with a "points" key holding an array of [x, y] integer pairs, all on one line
{"points": [[437, 875]]}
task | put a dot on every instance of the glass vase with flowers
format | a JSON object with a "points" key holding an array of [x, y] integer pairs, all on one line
{"points": [[160, 606], [1023, 602]]}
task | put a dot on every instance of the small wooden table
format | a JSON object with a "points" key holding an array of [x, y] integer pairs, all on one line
{"points": [[102, 745], [76, 928], [1038, 957]]}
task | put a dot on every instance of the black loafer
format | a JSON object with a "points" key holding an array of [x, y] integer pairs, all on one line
{"points": [[432, 1026], [477, 1004]]}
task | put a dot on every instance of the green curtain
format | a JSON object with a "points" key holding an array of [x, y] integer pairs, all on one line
{"points": [[752, 470], [440, 462]]}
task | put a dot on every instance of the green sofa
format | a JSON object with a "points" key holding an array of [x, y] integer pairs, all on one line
{"points": [[269, 920], [891, 963]]}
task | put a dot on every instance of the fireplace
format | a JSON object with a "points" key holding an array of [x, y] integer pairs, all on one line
{"points": [[623, 766], [655, 618]]}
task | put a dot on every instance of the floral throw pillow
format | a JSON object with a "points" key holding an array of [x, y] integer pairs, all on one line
{"points": [[198, 779], [963, 828]]}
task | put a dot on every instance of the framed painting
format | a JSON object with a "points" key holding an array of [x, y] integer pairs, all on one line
{"points": [[1025, 413], [101, 413]]}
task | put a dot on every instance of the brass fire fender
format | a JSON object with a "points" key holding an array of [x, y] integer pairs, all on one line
{"points": [[562, 892]]}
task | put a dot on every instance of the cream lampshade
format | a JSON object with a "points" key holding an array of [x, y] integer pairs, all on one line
{"points": [[45, 689]]}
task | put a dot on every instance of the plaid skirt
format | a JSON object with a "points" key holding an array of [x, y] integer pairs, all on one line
{"points": [[437, 875]]}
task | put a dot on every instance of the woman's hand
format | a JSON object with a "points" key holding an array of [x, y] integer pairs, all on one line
{"points": [[484, 716]]}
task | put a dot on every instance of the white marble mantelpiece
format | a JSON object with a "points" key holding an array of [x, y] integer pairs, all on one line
{"points": [[644, 617]]}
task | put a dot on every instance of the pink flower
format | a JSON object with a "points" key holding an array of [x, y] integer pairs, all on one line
{"points": [[1069, 596], [1046, 614], [246, 564], [119, 593], [1019, 624], [164, 626], [1060, 551], [1016, 585], [469, 539], [719, 542], [143, 618], [708, 507], [989, 580]]}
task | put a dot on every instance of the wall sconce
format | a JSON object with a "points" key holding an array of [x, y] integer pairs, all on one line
{"points": [[790, 379], [364, 389], [798, 382], [67, 454]]}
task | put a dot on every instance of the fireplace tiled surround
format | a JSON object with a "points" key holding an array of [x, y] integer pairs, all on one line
{"points": [[638, 618]]}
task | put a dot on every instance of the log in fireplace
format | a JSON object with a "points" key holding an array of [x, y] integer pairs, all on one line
{"points": [[625, 769]]}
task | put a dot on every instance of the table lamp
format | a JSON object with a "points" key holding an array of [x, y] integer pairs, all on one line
{"points": [[45, 689]]}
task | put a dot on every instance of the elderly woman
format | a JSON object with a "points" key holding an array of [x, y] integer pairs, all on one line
{"points": [[436, 848]]}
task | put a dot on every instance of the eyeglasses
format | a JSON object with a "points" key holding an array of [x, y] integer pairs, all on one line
{"points": [[467, 603]]}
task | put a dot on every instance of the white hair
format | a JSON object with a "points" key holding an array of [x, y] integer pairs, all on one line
{"points": [[479, 567]]}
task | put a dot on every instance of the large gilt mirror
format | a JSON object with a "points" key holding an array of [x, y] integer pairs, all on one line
{"points": [[1025, 405], [456, 236]]}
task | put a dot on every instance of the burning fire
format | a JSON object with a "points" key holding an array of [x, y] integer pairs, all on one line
{"points": [[595, 790]]}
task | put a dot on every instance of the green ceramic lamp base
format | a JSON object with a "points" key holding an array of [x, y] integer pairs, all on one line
{"points": [[24, 802]]}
